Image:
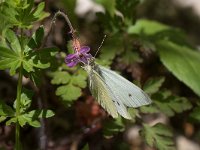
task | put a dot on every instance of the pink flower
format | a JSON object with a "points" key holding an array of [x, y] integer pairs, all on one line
{"points": [[80, 56]]}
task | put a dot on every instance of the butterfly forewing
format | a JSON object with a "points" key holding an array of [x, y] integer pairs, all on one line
{"points": [[100, 91], [125, 91]]}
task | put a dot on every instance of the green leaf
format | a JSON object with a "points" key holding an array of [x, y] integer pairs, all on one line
{"points": [[10, 58], [6, 110], [158, 136], [32, 117], [150, 32], [69, 85], [60, 77], [39, 13], [7, 53], [36, 40], [40, 59], [26, 16], [149, 109], [171, 104], [114, 126], [13, 40], [25, 101], [43, 113], [146, 26], [195, 114], [68, 92], [153, 85], [11, 120], [79, 80], [130, 57], [183, 62], [2, 118], [7, 16], [23, 119], [109, 51]]}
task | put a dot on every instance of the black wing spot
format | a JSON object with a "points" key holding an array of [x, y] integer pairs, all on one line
{"points": [[129, 95], [118, 103]]}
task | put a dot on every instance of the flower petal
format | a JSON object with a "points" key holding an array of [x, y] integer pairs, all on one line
{"points": [[71, 56], [72, 64], [84, 49]]}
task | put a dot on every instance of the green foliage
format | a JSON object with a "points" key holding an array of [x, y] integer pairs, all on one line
{"points": [[109, 51], [30, 117], [21, 13], [173, 50], [112, 127], [163, 100], [70, 85], [194, 115], [158, 136], [153, 85], [12, 54], [5, 111], [183, 62]]}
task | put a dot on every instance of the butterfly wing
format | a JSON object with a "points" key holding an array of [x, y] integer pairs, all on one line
{"points": [[125, 91], [100, 91]]}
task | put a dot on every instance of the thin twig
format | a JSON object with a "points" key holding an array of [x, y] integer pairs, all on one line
{"points": [[59, 13]]}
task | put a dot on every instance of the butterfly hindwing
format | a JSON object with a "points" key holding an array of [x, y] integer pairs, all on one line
{"points": [[100, 91]]}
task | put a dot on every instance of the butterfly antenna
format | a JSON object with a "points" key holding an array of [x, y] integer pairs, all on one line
{"points": [[100, 46]]}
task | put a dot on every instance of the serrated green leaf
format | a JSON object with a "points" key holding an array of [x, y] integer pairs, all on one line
{"points": [[183, 62], [24, 119], [32, 117], [153, 85], [60, 77], [171, 104], [28, 65], [149, 109], [158, 136], [68, 92], [79, 80], [25, 101], [133, 113], [43, 113], [11, 120], [114, 126]]}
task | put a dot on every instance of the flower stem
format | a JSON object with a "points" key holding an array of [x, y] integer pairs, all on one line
{"points": [[19, 90], [18, 101]]}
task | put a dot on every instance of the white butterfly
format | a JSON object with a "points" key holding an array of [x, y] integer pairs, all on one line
{"points": [[113, 92]]}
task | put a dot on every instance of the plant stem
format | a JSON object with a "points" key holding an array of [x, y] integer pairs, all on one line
{"points": [[19, 90], [18, 101]]}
